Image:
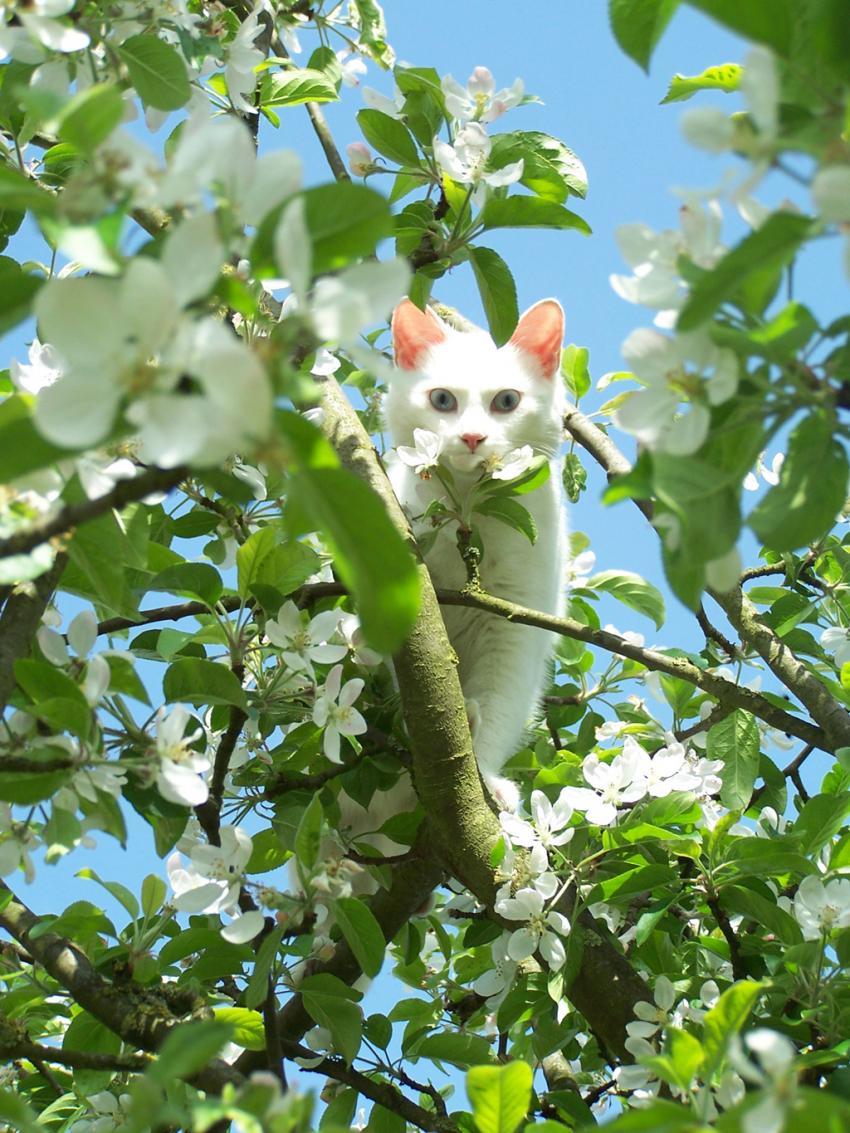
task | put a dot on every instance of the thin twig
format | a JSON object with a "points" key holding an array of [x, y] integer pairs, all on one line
{"points": [[384, 1093], [72, 515], [739, 969], [77, 1059]]}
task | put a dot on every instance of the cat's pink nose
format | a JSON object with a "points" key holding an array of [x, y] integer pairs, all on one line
{"points": [[472, 440]]}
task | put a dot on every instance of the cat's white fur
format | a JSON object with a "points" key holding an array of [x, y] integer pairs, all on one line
{"points": [[503, 666]]}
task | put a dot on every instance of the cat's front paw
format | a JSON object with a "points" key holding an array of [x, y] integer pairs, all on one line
{"points": [[505, 792]]}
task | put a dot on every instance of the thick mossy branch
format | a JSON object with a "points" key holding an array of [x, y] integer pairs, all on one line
{"points": [[141, 1018], [444, 767]]}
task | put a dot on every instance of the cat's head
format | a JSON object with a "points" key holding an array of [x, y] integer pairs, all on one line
{"points": [[483, 400]]}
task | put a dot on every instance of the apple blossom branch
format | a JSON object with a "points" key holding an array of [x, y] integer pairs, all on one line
{"points": [[141, 1023], [72, 515], [21, 1048], [384, 1093], [729, 694], [743, 616], [722, 689]]}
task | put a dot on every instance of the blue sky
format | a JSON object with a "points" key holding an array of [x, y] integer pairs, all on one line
{"points": [[605, 109]]}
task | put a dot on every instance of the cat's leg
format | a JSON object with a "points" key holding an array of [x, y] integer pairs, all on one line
{"points": [[502, 670]]}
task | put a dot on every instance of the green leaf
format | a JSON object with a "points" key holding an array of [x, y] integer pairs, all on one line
{"points": [[812, 487], [250, 556], [157, 71], [18, 191], [511, 513], [764, 911], [120, 892], [451, 1046], [266, 852], [328, 1001], [574, 477], [632, 591], [726, 1018], [87, 1033], [17, 291], [154, 892], [685, 1054], [188, 1048], [295, 86], [529, 212], [639, 24], [309, 834], [248, 1028], [370, 555], [91, 116], [770, 248], [574, 370], [725, 77], [500, 1096], [15, 1112], [346, 222], [550, 169], [200, 580], [193, 681], [258, 985], [363, 933], [736, 741], [288, 566], [819, 821], [498, 292], [373, 31], [772, 24], [388, 136]]}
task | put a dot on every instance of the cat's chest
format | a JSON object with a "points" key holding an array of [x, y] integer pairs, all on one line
{"points": [[512, 567]]}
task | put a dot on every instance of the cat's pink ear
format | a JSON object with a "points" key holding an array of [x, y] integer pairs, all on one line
{"points": [[414, 333], [540, 333]]}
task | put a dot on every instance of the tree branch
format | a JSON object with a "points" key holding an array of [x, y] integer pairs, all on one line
{"points": [[384, 1093], [727, 692], [77, 1059], [72, 515], [824, 708], [143, 1018], [19, 621]]}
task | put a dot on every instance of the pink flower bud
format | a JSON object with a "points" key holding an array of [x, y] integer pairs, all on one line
{"points": [[359, 158]]}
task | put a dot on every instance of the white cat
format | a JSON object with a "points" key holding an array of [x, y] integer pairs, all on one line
{"points": [[484, 401]]}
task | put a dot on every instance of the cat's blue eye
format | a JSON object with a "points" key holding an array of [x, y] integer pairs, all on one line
{"points": [[505, 401], [443, 400]]}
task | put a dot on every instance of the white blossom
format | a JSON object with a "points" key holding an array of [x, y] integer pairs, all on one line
{"points": [[304, 640], [213, 882], [352, 66], [548, 826], [770, 475], [180, 769], [42, 369], [466, 162], [425, 453], [360, 159], [479, 101], [392, 107], [654, 1017], [611, 785], [343, 305], [334, 711], [674, 370], [495, 983], [108, 1112], [836, 641], [543, 930], [654, 256], [82, 635], [820, 908], [514, 464]]}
